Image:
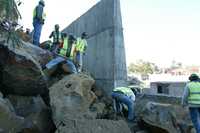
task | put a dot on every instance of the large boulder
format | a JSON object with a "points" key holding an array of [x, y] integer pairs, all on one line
{"points": [[21, 71], [34, 111], [165, 118], [71, 97], [9, 121], [94, 126]]}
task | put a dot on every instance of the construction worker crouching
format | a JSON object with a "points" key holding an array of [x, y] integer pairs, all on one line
{"points": [[65, 54], [81, 46], [38, 21], [124, 96], [57, 39], [191, 97]]}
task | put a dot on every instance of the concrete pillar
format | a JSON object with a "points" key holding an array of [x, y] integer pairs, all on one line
{"points": [[105, 56]]}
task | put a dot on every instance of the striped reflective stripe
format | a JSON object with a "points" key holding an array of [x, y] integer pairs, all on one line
{"points": [[194, 102], [194, 99], [197, 104], [57, 37], [194, 92]]}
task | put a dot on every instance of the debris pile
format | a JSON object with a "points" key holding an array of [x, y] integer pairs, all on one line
{"points": [[33, 102]]}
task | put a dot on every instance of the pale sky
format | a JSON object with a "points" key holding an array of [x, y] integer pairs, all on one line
{"points": [[158, 31]]}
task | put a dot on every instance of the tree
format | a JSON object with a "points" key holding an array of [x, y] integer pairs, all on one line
{"points": [[143, 67], [8, 10], [9, 15]]}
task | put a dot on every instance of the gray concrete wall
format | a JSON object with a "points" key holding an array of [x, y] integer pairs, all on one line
{"points": [[175, 88], [105, 56], [149, 91]]}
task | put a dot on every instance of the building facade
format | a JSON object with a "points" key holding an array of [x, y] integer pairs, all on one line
{"points": [[166, 88]]}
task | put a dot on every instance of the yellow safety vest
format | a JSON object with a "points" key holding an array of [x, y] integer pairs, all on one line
{"points": [[63, 51], [194, 93], [43, 15], [81, 44], [125, 90]]}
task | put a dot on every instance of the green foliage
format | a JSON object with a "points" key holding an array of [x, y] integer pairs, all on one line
{"points": [[9, 13], [8, 10], [143, 67]]}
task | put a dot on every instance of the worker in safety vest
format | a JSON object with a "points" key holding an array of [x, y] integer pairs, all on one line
{"points": [[38, 21], [124, 96], [81, 45], [65, 55], [191, 97], [67, 48], [57, 39]]}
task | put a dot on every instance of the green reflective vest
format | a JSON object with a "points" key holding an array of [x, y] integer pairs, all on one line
{"points": [[57, 37], [43, 15], [81, 45], [125, 90], [67, 50], [194, 93]]}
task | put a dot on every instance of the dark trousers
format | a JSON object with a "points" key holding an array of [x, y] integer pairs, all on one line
{"points": [[195, 117]]}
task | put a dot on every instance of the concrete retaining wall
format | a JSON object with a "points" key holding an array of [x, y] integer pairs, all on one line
{"points": [[105, 56]]}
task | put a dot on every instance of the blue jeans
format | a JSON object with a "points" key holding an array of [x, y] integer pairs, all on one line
{"points": [[195, 117], [121, 98], [79, 60], [37, 32], [58, 60]]}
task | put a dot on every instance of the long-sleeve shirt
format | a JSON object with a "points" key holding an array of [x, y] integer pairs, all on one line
{"points": [[186, 94], [39, 13]]}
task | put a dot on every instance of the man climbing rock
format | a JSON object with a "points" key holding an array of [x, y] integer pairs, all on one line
{"points": [[124, 96]]}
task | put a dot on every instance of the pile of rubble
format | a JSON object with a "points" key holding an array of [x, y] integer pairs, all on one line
{"points": [[32, 103]]}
